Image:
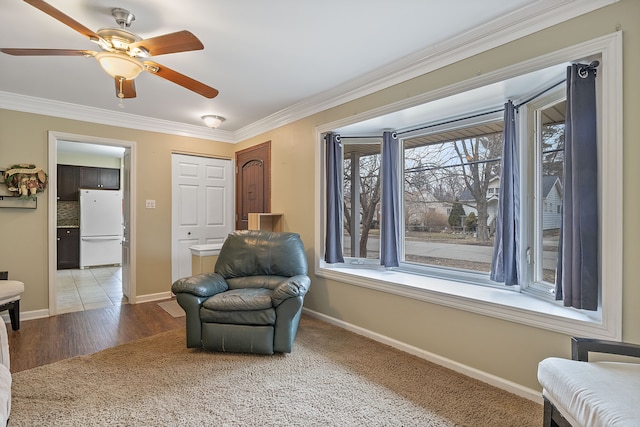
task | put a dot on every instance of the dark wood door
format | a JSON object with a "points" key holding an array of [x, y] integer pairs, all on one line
{"points": [[68, 182], [89, 177], [68, 248], [99, 178], [253, 182], [110, 179]]}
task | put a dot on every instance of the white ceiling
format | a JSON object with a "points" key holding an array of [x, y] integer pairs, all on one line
{"points": [[263, 57]]}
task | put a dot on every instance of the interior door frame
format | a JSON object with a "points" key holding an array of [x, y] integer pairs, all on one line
{"points": [[54, 137]]}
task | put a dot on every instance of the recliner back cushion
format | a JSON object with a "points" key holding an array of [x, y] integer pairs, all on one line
{"points": [[255, 253], [269, 282]]}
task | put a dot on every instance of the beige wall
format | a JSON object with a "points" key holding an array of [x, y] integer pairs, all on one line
{"points": [[505, 349], [88, 159], [23, 233]]}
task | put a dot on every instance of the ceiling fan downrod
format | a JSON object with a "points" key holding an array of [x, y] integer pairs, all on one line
{"points": [[123, 17]]}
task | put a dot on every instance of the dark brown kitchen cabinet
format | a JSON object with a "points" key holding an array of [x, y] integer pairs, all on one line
{"points": [[68, 182], [99, 178], [68, 248]]}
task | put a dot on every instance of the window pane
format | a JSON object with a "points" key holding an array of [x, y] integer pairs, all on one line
{"points": [[451, 190], [551, 166], [361, 199]]}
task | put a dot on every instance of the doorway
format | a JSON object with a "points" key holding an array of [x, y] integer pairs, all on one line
{"points": [[253, 182], [125, 274]]}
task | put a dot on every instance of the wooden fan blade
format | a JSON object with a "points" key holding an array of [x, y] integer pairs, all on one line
{"points": [[47, 52], [181, 41], [180, 79], [125, 88], [67, 20]]}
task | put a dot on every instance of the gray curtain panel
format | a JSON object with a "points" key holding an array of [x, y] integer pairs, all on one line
{"points": [[333, 245], [505, 263], [577, 271], [390, 226]]}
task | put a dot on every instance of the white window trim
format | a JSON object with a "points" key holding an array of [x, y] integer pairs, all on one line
{"points": [[530, 246], [517, 307]]}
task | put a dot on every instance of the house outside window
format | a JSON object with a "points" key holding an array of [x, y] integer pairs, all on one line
{"points": [[459, 168]]}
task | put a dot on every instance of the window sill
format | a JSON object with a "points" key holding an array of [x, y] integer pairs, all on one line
{"points": [[503, 304]]}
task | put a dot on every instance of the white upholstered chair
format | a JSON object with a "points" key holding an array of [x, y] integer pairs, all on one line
{"points": [[10, 292], [581, 393]]}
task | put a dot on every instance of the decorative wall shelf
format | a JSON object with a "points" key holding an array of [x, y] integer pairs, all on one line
{"points": [[17, 202]]}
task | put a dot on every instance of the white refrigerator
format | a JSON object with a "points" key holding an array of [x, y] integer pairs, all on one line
{"points": [[100, 227]]}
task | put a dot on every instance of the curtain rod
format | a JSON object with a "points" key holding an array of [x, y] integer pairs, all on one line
{"points": [[473, 116], [542, 92], [592, 66], [361, 137]]}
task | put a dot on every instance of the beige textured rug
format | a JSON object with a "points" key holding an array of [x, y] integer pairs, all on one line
{"points": [[332, 378]]}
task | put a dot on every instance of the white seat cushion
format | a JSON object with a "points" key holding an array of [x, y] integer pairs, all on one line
{"points": [[593, 393], [10, 290]]}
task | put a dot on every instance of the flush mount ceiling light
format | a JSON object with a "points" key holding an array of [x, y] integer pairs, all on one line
{"points": [[213, 121]]}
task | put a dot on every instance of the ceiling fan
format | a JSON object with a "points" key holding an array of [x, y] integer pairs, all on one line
{"points": [[123, 52]]}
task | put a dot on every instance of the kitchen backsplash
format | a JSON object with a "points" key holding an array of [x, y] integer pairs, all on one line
{"points": [[68, 214]]}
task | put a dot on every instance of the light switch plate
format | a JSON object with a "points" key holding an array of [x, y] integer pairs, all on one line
{"points": [[150, 204]]}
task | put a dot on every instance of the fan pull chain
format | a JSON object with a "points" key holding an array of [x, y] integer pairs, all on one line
{"points": [[120, 93]]}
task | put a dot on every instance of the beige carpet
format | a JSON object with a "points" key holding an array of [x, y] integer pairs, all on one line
{"points": [[332, 378]]}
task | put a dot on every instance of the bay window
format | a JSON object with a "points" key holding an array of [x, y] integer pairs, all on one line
{"points": [[451, 169]]}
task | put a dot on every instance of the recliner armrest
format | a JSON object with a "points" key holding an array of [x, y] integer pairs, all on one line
{"points": [[201, 285], [296, 286], [580, 348]]}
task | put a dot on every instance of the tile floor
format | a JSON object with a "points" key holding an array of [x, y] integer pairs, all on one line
{"points": [[90, 288]]}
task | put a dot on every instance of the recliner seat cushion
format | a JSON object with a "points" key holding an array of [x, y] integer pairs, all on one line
{"points": [[240, 300], [249, 306]]}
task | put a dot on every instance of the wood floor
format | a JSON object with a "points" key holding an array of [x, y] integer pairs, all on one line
{"points": [[44, 341]]}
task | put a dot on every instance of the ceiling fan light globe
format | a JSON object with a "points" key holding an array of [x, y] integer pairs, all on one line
{"points": [[119, 65]]}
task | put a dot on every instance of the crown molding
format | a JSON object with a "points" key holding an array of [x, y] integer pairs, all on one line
{"points": [[522, 22], [65, 110]]}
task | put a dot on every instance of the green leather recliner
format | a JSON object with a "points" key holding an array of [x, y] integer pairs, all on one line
{"points": [[252, 302]]}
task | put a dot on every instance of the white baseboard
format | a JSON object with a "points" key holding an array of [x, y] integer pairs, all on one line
{"points": [[153, 297], [40, 314], [28, 315], [477, 374]]}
